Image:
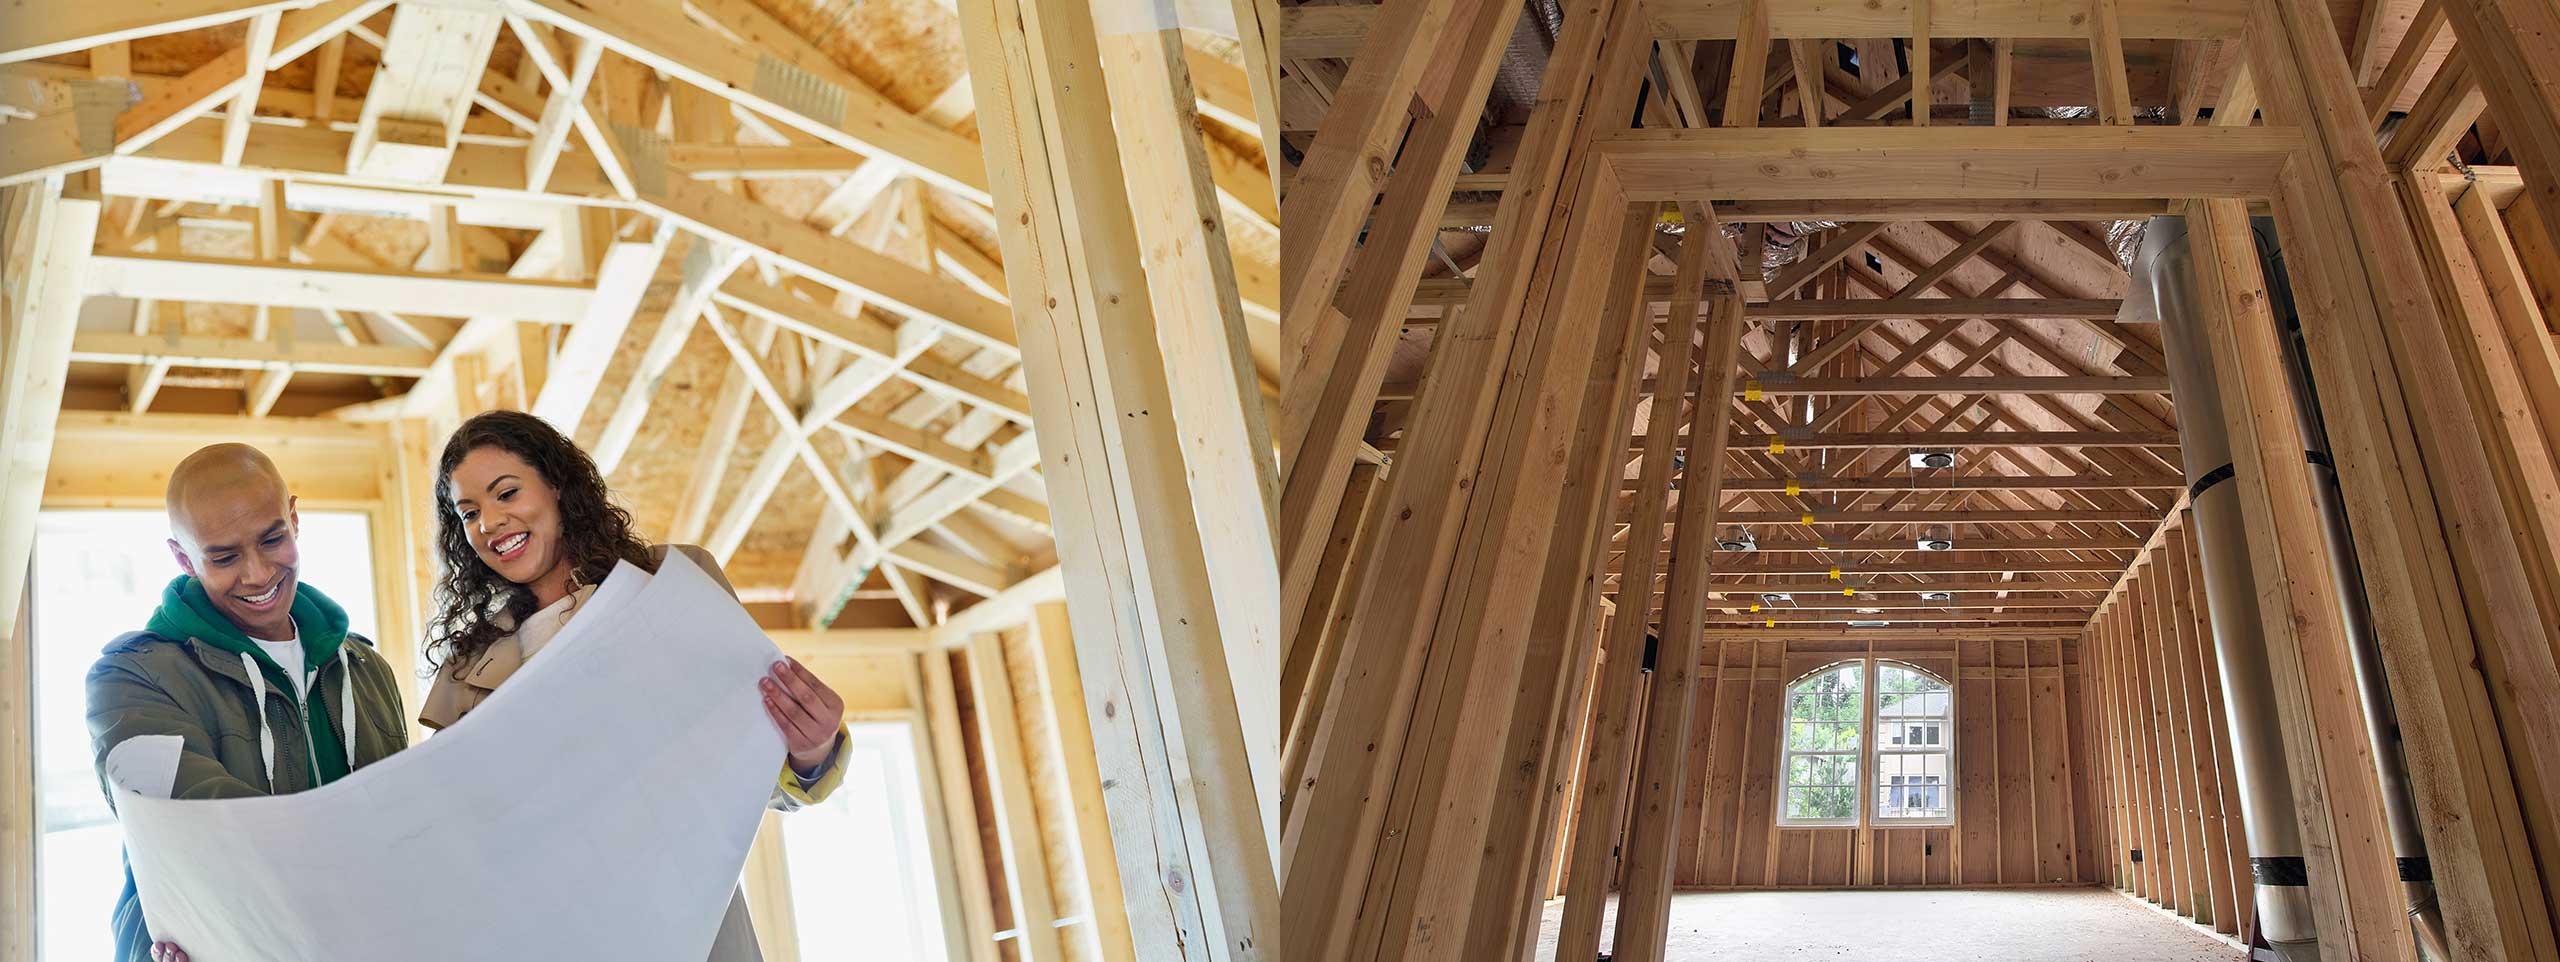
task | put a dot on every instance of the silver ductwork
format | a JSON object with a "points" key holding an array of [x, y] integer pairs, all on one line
{"points": [[2163, 287], [2381, 719]]}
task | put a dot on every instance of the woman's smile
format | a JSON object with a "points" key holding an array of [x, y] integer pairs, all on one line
{"points": [[510, 547]]}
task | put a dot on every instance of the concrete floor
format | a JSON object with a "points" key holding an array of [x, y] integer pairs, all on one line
{"points": [[1920, 925]]}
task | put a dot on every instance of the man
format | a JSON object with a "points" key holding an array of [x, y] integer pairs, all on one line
{"points": [[248, 665]]}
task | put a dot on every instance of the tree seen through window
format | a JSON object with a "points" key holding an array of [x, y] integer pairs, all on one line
{"points": [[1857, 718]]}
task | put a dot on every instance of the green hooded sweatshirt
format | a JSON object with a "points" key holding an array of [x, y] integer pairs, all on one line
{"points": [[187, 612]]}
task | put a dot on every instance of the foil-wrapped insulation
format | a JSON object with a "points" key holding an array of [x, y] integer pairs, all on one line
{"points": [[1524, 62], [2124, 237], [2071, 113], [1787, 242]]}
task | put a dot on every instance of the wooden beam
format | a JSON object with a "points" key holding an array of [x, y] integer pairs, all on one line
{"points": [[1645, 905], [1821, 586], [116, 347], [1848, 209], [1960, 162], [1330, 32], [1353, 153], [2415, 43], [1208, 355], [1025, 857], [51, 231], [1058, 678], [1612, 749], [1956, 439], [1196, 852], [2515, 47], [949, 790], [2106, 48], [867, 336], [1518, 379], [1921, 563], [34, 30], [877, 278], [1921, 76], [2451, 102], [704, 270], [432, 60], [778, 75], [1971, 482], [64, 142], [1340, 353], [1889, 635], [244, 106], [181, 277], [1750, 66], [2356, 253], [621, 280], [2059, 384], [1947, 516]]}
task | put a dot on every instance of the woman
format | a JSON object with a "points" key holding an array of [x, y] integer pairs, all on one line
{"points": [[528, 531]]}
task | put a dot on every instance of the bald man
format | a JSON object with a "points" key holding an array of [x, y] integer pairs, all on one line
{"points": [[251, 667]]}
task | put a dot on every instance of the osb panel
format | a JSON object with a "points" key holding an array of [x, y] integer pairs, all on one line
{"points": [[392, 241], [796, 197], [652, 476], [908, 49]]}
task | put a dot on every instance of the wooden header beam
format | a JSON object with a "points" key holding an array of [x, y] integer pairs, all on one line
{"points": [[1785, 632], [1323, 32], [1969, 482], [2062, 384], [1962, 439], [1940, 162], [1988, 516], [1826, 586]]}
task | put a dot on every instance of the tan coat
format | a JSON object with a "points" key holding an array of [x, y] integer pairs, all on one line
{"points": [[449, 699]]}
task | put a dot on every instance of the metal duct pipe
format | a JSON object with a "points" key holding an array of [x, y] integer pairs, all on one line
{"points": [[2382, 721], [2162, 286]]}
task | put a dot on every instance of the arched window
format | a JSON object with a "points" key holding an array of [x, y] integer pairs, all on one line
{"points": [[1854, 718]]}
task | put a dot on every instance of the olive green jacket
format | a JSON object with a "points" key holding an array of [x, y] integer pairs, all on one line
{"points": [[145, 684]]}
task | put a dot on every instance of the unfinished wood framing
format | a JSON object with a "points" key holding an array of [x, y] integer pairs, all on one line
{"points": [[1950, 453]]}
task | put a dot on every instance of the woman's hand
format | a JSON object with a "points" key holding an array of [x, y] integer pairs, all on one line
{"points": [[167, 952], [806, 709]]}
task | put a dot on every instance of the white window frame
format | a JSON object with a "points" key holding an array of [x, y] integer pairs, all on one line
{"points": [[1946, 723], [1864, 791], [1787, 752]]}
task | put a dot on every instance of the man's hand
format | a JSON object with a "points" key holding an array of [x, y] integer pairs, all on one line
{"points": [[806, 709], [167, 952]]}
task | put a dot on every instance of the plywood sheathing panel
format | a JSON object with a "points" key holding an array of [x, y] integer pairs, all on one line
{"points": [[909, 50]]}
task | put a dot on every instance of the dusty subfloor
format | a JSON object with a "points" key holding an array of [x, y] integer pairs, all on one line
{"points": [[1920, 925]]}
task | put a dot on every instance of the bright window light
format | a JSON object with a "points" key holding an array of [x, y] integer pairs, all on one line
{"points": [[862, 883], [98, 574]]}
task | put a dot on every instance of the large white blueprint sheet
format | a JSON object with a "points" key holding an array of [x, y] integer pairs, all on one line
{"points": [[599, 806]]}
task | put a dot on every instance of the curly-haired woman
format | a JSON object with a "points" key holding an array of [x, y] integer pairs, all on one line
{"points": [[527, 531]]}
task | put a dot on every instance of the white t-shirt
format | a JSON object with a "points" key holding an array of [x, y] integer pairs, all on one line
{"points": [[287, 654]]}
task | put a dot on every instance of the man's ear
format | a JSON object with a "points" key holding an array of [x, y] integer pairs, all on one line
{"points": [[292, 515], [185, 563]]}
